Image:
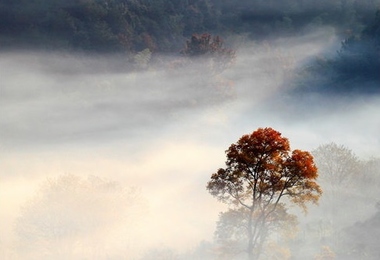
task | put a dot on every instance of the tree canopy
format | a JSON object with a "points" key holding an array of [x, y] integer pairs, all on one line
{"points": [[338, 163], [260, 171]]}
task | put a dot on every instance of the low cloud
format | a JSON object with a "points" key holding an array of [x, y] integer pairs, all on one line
{"points": [[162, 130]]}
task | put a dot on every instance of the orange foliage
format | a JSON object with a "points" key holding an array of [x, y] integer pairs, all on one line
{"points": [[263, 164], [260, 170]]}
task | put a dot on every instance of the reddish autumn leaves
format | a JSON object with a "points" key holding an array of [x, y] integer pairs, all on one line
{"points": [[261, 170], [261, 164]]}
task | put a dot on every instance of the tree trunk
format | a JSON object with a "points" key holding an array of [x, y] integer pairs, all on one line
{"points": [[250, 246], [255, 244]]}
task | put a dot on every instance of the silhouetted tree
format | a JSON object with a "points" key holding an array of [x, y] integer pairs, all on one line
{"points": [[346, 180], [339, 169], [337, 164], [212, 47]]}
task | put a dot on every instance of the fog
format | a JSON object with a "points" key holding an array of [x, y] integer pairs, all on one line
{"points": [[161, 130]]}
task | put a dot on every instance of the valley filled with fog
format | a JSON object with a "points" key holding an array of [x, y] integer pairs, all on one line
{"points": [[127, 153]]}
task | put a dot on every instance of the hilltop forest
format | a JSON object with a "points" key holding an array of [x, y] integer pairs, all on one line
{"points": [[162, 25]]}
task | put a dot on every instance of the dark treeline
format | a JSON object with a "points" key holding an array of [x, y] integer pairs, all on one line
{"points": [[162, 25], [355, 67]]}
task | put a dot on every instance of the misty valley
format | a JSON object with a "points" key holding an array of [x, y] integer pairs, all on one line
{"points": [[178, 130]]}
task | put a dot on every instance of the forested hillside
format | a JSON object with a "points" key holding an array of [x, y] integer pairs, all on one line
{"points": [[162, 25], [355, 67]]}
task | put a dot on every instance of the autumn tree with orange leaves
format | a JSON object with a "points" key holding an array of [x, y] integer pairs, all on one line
{"points": [[261, 171]]}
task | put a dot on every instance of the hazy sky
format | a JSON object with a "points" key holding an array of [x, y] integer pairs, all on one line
{"points": [[159, 130]]}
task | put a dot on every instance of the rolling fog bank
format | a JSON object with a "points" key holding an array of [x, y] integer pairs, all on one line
{"points": [[148, 140]]}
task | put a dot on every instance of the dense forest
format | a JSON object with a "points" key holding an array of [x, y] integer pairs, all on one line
{"points": [[162, 25], [353, 69]]}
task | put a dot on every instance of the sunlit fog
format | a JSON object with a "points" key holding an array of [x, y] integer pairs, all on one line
{"points": [[107, 155]]}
